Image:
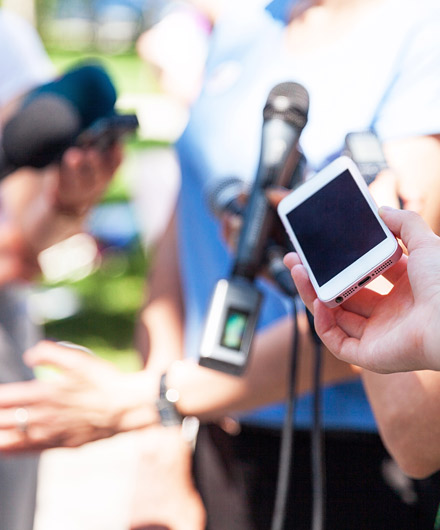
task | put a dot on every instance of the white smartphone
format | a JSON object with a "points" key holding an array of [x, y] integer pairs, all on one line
{"points": [[333, 223]]}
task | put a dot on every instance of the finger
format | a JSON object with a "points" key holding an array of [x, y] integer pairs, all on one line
{"points": [[276, 194], [104, 163], [362, 303], [73, 158], [115, 155], [304, 286], [337, 340], [23, 394], [394, 273], [291, 259], [34, 439], [352, 324], [72, 360], [12, 441]]}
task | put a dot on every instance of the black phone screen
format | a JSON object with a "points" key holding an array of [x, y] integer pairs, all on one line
{"points": [[335, 227]]}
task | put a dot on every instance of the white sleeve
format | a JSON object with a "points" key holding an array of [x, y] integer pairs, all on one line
{"points": [[412, 105], [24, 62]]}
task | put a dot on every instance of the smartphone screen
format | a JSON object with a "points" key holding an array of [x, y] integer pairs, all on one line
{"points": [[335, 227]]}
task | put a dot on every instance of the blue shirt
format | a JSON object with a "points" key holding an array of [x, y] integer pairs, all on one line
{"points": [[383, 73]]}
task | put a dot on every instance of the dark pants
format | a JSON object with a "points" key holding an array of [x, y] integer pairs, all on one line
{"points": [[18, 474], [236, 476]]}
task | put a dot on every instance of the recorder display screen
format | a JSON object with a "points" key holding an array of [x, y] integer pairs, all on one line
{"points": [[335, 227], [234, 329]]}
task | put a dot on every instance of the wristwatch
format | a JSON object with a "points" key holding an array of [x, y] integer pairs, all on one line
{"points": [[166, 404]]}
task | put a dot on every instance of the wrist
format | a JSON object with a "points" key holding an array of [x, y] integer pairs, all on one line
{"points": [[170, 416], [138, 410]]}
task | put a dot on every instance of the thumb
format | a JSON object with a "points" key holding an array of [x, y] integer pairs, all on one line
{"points": [[408, 226]]}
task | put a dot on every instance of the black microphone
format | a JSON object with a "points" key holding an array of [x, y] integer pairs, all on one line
{"points": [[223, 195], [52, 117], [235, 304], [285, 116]]}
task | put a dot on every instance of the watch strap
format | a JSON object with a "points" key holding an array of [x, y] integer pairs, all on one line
{"points": [[166, 404]]}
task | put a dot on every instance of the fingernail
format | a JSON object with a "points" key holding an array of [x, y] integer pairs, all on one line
{"points": [[384, 209]]}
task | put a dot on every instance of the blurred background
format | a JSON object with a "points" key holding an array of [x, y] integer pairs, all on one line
{"points": [[94, 283], [93, 286]]}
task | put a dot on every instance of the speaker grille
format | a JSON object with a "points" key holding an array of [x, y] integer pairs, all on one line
{"points": [[384, 266], [350, 291]]}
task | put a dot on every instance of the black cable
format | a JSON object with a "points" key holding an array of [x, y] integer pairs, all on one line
{"points": [[282, 276], [317, 438], [287, 436]]}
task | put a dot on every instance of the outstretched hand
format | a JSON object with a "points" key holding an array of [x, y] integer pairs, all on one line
{"points": [[386, 333], [87, 399]]}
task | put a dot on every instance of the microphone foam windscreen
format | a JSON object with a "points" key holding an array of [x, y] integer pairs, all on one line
{"points": [[88, 88], [53, 115], [288, 101], [45, 127]]}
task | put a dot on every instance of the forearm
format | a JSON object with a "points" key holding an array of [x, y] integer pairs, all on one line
{"points": [[407, 407], [159, 333], [93, 400], [210, 394], [158, 337]]}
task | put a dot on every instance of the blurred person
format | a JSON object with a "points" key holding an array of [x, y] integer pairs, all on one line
{"points": [[390, 333], [37, 209], [327, 47], [324, 46], [176, 48]]}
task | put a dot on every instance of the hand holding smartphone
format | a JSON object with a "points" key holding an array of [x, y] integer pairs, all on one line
{"points": [[334, 225]]}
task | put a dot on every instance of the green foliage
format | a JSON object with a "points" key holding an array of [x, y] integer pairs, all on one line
{"points": [[111, 298]]}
